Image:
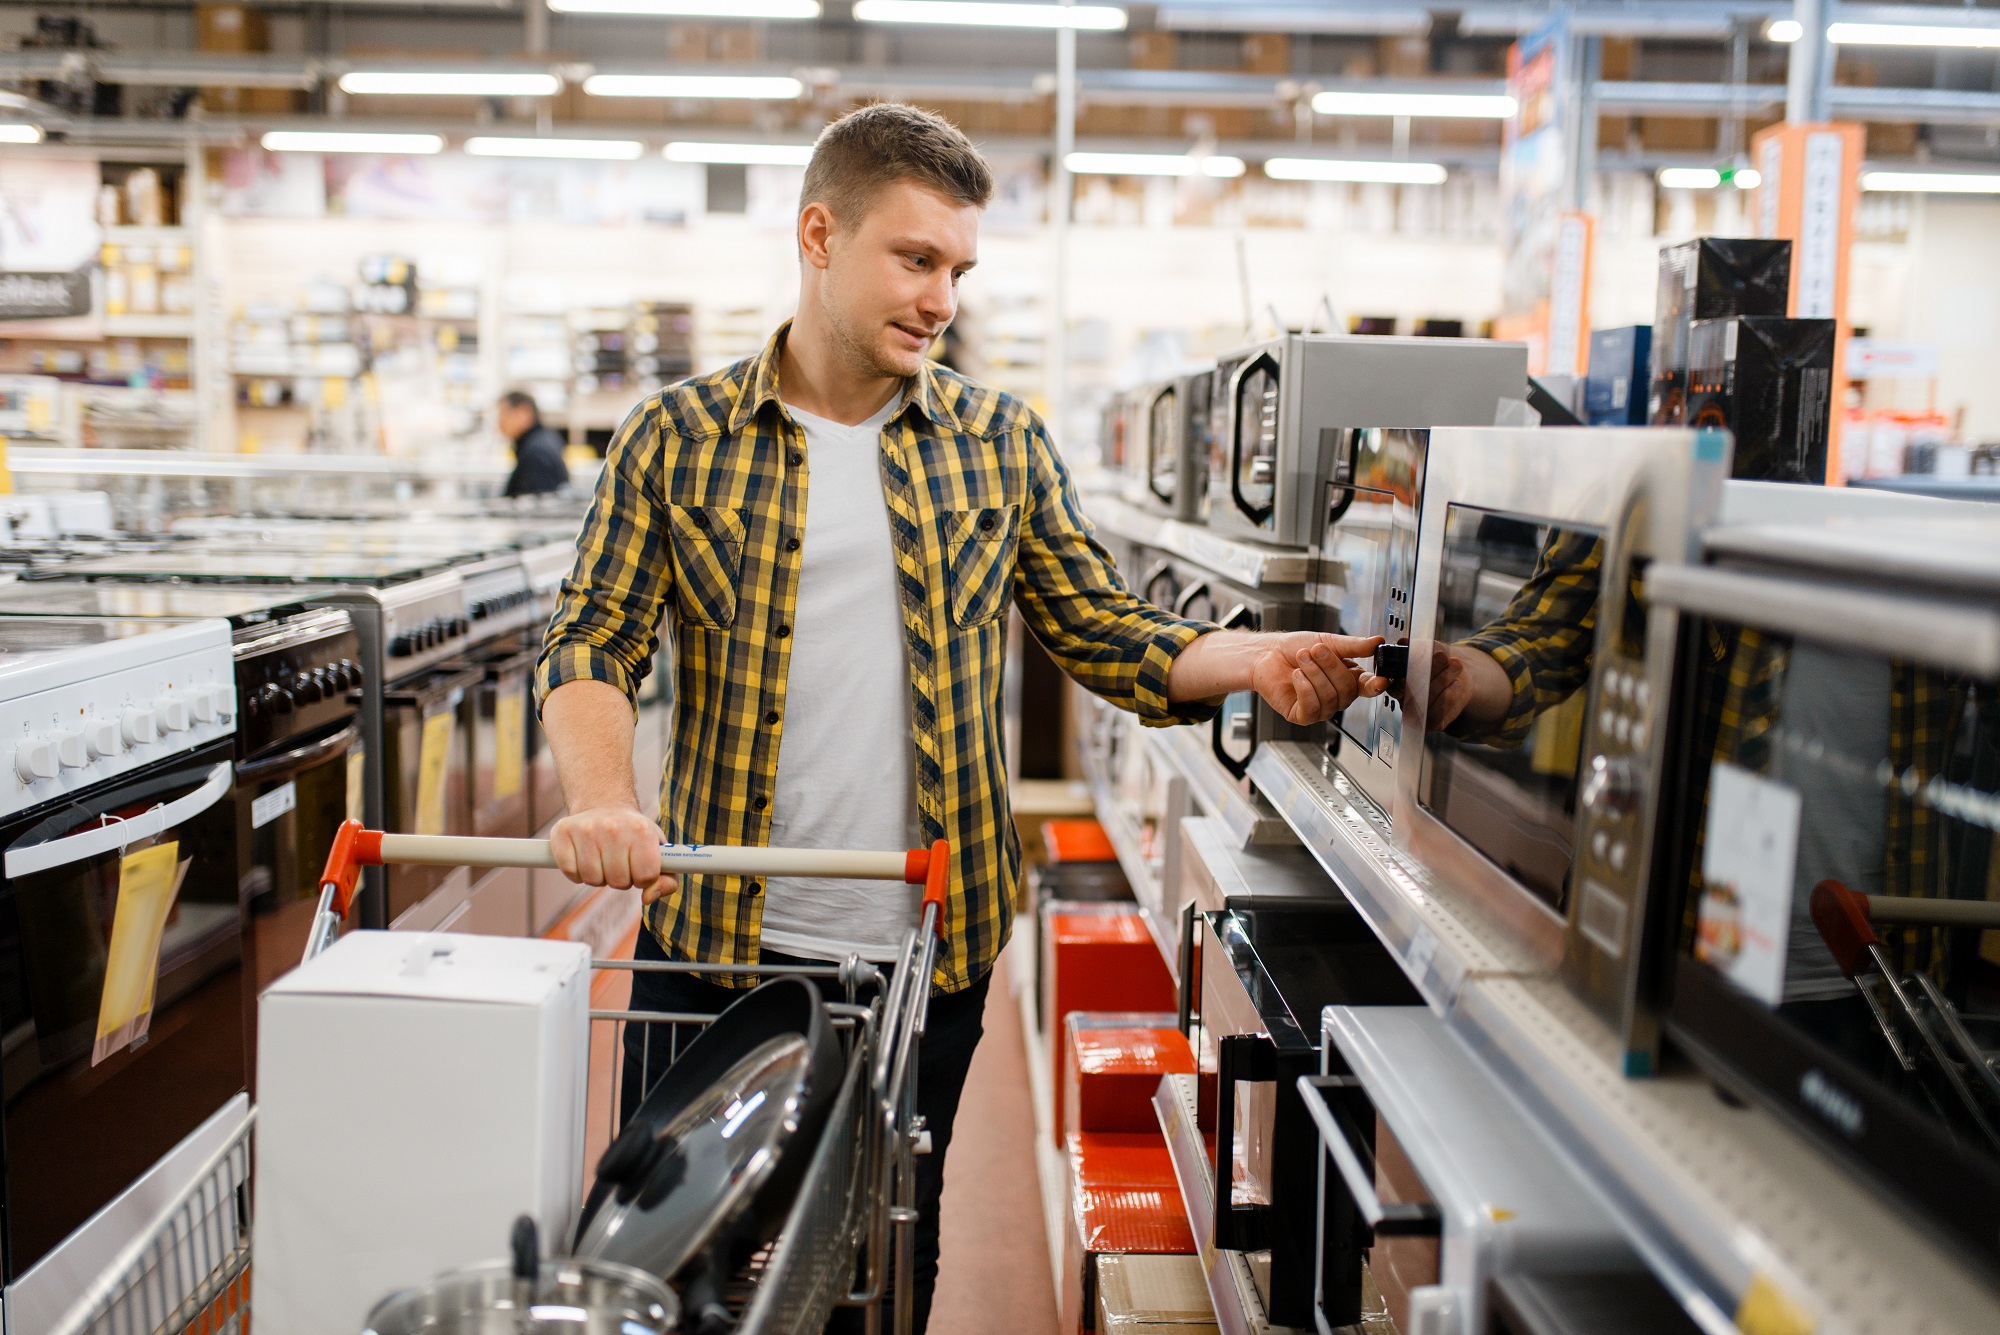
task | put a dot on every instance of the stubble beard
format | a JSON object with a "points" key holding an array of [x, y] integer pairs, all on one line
{"points": [[862, 350]]}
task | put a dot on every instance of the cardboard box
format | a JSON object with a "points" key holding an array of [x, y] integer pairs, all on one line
{"points": [[1614, 389], [1112, 1066], [1713, 278], [1770, 382], [1123, 1199], [1152, 1295], [416, 1093]]}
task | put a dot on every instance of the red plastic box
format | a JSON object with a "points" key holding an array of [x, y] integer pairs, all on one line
{"points": [[1096, 957]]}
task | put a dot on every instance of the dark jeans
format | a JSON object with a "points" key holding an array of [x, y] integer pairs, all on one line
{"points": [[951, 1031]]}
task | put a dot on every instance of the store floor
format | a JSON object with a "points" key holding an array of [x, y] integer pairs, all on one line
{"points": [[993, 1270]]}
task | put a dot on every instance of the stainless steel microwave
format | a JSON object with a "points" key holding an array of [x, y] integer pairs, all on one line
{"points": [[1166, 444], [1836, 952], [1539, 720], [1279, 409]]}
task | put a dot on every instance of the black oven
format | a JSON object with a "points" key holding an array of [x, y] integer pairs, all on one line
{"points": [[1833, 846], [1539, 725], [123, 994]]}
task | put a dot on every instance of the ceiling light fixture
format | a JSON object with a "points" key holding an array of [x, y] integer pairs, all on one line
{"points": [[606, 150], [1943, 183], [1689, 178], [1334, 169], [1784, 30], [1153, 164], [20, 134], [767, 87], [350, 141], [1910, 34], [1477, 106], [694, 9], [978, 14], [458, 83], [754, 155]]}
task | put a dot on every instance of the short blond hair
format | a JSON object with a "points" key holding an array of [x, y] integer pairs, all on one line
{"points": [[873, 147]]}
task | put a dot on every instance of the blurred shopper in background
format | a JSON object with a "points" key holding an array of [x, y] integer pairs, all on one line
{"points": [[538, 450]]}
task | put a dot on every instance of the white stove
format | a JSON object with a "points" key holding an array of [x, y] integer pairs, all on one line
{"points": [[84, 700]]}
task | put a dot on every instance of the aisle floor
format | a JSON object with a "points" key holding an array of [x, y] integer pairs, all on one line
{"points": [[993, 1271]]}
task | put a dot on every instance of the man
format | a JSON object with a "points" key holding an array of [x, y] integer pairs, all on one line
{"points": [[538, 451], [837, 528]]}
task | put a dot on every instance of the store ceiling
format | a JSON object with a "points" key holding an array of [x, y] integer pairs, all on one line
{"points": [[1242, 74]]}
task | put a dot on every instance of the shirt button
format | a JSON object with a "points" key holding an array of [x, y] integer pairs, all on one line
{"points": [[795, 458], [771, 716], [986, 523], [759, 803], [784, 631], [754, 888], [791, 544]]}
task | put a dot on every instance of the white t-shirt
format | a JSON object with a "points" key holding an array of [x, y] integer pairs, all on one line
{"points": [[846, 774]]}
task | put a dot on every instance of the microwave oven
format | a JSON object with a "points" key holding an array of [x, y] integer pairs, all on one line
{"points": [[1244, 720], [1540, 716], [1836, 944], [1279, 412], [1166, 444]]}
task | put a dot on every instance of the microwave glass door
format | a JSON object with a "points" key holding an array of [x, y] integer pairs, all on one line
{"points": [[1833, 773], [1254, 439], [1163, 444], [122, 991], [1516, 620], [1372, 533]]}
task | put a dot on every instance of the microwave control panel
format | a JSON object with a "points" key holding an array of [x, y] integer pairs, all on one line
{"points": [[115, 716]]}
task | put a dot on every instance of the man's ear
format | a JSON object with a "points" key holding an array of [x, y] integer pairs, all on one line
{"points": [[816, 227]]}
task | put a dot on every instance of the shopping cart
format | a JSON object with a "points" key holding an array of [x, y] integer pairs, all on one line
{"points": [[848, 1240]]}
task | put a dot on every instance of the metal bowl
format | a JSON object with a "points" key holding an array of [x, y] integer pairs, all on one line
{"points": [[567, 1297]]}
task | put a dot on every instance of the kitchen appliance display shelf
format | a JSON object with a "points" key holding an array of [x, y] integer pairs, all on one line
{"points": [[1739, 1217], [1254, 565]]}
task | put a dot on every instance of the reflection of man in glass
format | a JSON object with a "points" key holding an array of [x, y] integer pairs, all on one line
{"points": [[1491, 686]]}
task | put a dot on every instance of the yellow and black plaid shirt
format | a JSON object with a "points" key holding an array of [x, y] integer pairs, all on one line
{"points": [[701, 514]]}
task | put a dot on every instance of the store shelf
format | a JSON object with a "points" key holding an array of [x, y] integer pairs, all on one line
{"points": [[1251, 564], [149, 326], [1249, 819], [197, 463], [1721, 1201]]}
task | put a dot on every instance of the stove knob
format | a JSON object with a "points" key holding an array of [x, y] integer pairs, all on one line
{"points": [[101, 738], [201, 704], [224, 699], [352, 674], [459, 625], [400, 646], [306, 688], [70, 750], [282, 700], [481, 609], [172, 712], [139, 725], [35, 758]]}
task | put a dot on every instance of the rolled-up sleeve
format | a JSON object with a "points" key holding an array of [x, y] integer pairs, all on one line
{"points": [[1109, 640], [606, 623]]}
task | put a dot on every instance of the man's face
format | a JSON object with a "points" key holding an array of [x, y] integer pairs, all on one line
{"points": [[513, 419], [889, 281]]}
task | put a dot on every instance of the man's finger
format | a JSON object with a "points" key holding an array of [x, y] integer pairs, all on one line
{"points": [[1350, 646], [660, 889], [1329, 681], [618, 866], [1305, 699]]}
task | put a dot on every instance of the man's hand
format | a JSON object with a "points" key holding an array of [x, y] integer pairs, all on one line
{"points": [[1468, 682], [1304, 675], [615, 846]]}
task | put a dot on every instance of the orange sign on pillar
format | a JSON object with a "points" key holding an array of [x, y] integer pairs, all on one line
{"points": [[1810, 176]]}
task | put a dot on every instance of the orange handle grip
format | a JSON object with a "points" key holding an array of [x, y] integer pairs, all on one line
{"points": [[937, 872], [353, 848]]}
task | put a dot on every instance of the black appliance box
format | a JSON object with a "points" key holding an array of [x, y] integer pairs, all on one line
{"points": [[1770, 382], [1713, 278]]}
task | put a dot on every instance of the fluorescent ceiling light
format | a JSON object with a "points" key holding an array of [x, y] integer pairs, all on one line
{"points": [[454, 84], [1483, 106], [756, 155], [977, 13], [1945, 183], [613, 150], [1910, 34], [1333, 169], [1746, 178], [694, 9], [1689, 178], [1152, 164], [343, 141], [20, 134], [769, 87], [1785, 30]]}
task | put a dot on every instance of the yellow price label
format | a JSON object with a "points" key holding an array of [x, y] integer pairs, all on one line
{"points": [[433, 757], [148, 880], [357, 785], [510, 740], [1765, 1310]]}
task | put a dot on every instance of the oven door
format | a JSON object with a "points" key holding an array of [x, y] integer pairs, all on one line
{"points": [[497, 713], [289, 801], [426, 781], [122, 989]]}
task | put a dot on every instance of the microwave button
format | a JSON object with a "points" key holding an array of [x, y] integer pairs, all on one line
{"points": [[1642, 694], [101, 738], [1611, 789], [1621, 728], [1607, 719], [139, 725], [1618, 855], [35, 758], [1600, 845], [1640, 734]]}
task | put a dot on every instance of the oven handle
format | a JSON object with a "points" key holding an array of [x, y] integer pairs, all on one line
{"points": [[304, 757], [1344, 1144], [1250, 1058], [89, 843], [1238, 615], [1943, 634]]}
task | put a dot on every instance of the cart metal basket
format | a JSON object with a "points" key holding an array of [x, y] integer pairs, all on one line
{"points": [[849, 1238]]}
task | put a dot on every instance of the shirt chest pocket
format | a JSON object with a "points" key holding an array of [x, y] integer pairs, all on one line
{"points": [[708, 557], [979, 559]]}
